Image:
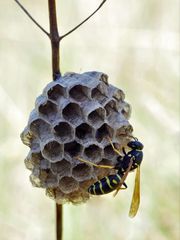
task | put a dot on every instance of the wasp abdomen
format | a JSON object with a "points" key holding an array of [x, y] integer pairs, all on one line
{"points": [[105, 185]]}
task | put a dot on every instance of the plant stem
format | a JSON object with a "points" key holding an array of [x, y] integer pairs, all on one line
{"points": [[55, 39], [85, 20], [54, 36], [59, 221], [29, 15], [55, 42]]}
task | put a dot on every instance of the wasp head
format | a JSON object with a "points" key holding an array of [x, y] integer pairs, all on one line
{"points": [[135, 145]]}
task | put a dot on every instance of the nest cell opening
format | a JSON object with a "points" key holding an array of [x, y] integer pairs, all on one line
{"points": [[62, 168], [109, 152], [72, 113], [79, 93], [36, 182], [48, 109], [81, 172], [39, 127], [36, 156], [101, 172], [126, 110], [106, 162], [29, 163], [50, 179], [97, 95], [93, 152], [33, 159], [44, 164], [118, 94], [56, 92], [64, 131], [124, 131], [73, 148], [68, 184], [104, 132], [84, 131], [53, 151], [35, 146], [111, 107], [104, 78], [97, 116]]}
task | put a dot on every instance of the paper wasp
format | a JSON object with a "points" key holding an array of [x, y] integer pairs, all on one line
{"points": [[130, 161]]}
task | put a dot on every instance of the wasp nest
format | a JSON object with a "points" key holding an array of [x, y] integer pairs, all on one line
{"points": [[74, 116]]}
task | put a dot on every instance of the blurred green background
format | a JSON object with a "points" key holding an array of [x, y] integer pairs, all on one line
{"points": [[137, 44]]}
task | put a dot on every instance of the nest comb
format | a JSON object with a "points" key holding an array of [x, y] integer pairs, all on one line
{"points": [[73, 117]]}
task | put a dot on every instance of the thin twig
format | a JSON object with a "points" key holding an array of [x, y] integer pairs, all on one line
{"points": [[85, 20], [54, 37], [59, 221], [29, 15]]}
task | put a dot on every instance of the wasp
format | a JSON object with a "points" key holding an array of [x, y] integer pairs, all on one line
{"points": [[130, 161]]}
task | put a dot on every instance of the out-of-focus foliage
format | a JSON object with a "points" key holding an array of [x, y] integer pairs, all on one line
{"points": [[136, 44]]}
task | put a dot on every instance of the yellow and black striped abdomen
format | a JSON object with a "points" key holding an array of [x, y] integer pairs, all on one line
{"points": [[105, 185]]}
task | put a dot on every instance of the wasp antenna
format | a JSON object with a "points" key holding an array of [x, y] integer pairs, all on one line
{"points": [[113, 147], [94, 164], [135, 138]]}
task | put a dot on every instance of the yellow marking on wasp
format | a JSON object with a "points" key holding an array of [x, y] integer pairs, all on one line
{"points": [[114, 181], [118, 176], [100, 185], [93, 188], [108, 182]]}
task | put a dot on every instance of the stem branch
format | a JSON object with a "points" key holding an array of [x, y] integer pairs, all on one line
{"points": [[85, 20], [29, 15]]}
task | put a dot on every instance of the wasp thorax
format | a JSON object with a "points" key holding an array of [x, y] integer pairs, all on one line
{"points": [[73, 117]]}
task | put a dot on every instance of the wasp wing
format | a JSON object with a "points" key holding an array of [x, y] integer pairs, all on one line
{"points": [[136, 195]]}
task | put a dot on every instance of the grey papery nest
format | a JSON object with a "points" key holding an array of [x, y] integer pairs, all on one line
{"points": [[74, 116]]}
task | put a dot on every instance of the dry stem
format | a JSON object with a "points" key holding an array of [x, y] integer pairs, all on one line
{"points": [[59, 221], [55, 39]]}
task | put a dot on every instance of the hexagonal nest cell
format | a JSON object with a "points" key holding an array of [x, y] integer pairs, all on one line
{"points": [[104, 132], [73, 149], [93, 152], [49, 110], [74, 117], [64, 130], [82, 172], [62, 168], [53, 151], [79, 93], [72, 113], [97, 117], [84, 132], [56, 92]]}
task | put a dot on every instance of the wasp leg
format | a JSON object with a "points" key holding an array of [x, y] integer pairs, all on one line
{"points": [[123, 188], [93, 164], [115, 149], [124, 151], [124, 177]]}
